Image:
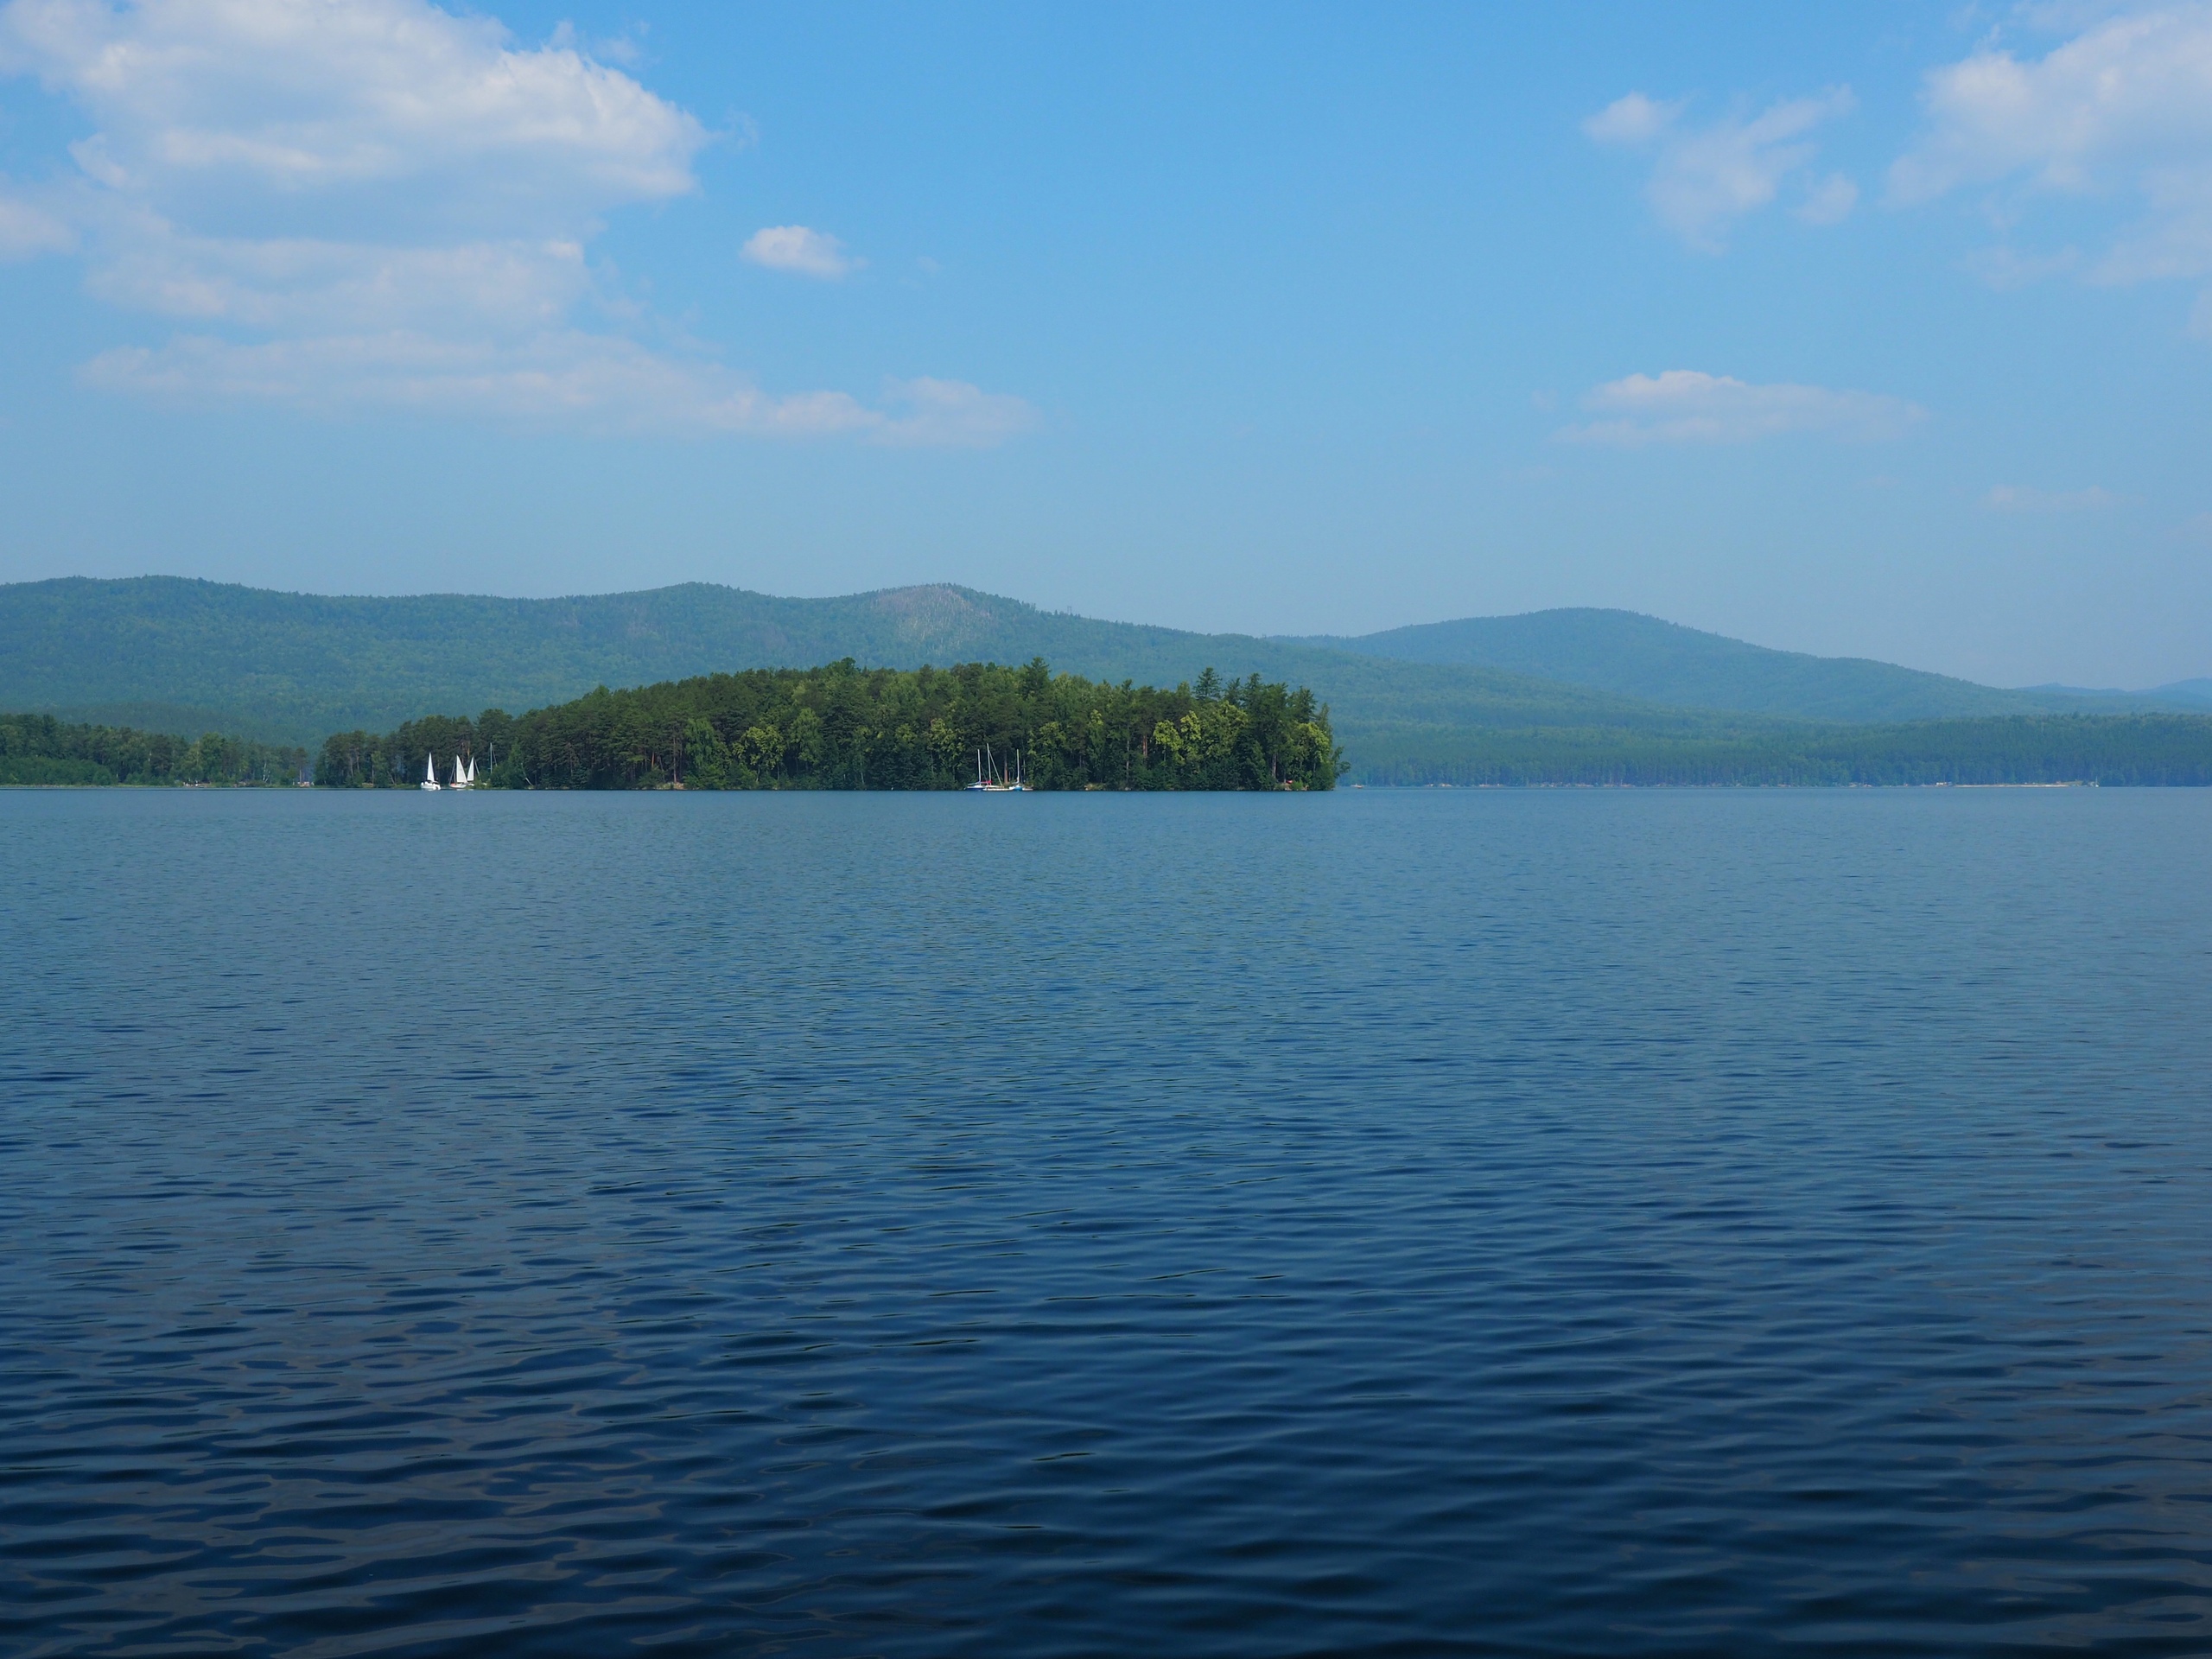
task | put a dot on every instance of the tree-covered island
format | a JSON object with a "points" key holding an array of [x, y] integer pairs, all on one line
{"points": [[843, 726]]}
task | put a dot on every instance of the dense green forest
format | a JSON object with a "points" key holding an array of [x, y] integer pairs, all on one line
{"points": [[843, 727], [2111, 749], [37, 749]]}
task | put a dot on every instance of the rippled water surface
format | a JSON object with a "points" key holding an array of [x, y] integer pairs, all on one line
{"points": [[1559, 1222]]}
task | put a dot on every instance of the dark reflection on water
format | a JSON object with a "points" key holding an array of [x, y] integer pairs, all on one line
{"points": [[1560, 1223]]}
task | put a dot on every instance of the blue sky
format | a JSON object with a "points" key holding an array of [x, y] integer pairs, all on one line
{"points": [[1879, 329]]}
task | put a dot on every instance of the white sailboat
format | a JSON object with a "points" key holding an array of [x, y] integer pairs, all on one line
{"points": [[463, 779], [429, 772]]}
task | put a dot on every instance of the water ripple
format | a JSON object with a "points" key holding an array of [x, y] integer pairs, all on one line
{"points": [[1552, 1223]]}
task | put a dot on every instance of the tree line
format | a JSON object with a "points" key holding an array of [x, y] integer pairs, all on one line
{"points": [[39, 749], [843, 727], [2107, 749]]}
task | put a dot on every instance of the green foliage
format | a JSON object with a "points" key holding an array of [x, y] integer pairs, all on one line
{"points": [[39, 749], [844, 726]]}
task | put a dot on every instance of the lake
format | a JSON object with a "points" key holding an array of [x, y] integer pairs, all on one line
{"points": [[1563, 1223]]}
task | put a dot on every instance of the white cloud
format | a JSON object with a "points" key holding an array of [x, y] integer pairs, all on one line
{"points": [[2175, 239], [27, 229], [951, 412], [1633, 119], [2130, 84], [606, 379], [294, 96], [800, 250], [1687, 406], [2004, 267], [604, 382], [2123, 107], [1705, 179], [381, 203], [1830, 201], [2014, 498], [308, 285]]}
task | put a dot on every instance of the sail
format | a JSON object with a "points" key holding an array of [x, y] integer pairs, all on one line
{"points": [[430, 769]]}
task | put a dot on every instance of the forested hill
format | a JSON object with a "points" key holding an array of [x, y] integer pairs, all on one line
{"points": [[1636, 656], [186, 656], [169, 654]]}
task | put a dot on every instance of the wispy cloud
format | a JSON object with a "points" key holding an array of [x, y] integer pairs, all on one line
{"points": [[1704, 179], [950, 412], [604, 382], [2123, 107], [1633, 118], [802, 251], [1830, 201], [2007, 267], [565, 373], [2015, 498], [381, 203], [1688, 406], [27, 229]]}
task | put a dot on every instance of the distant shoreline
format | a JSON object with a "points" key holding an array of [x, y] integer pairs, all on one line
{"points": [[1392, 789], [1937, 784]]}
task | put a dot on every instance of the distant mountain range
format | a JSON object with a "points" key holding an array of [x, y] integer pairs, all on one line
{"points": [[1637, 655], [2181, 694], [174, 654]]}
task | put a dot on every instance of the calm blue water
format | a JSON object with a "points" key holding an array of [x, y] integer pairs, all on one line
{"points": [[1559, 1222]]}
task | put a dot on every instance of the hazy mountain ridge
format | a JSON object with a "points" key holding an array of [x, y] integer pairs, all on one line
{"points": [[181, 655], [2179, 694], [1629, 654], [184, 654]]}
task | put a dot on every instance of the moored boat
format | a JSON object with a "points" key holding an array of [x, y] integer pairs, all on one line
{"points": [[992, 779]]}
